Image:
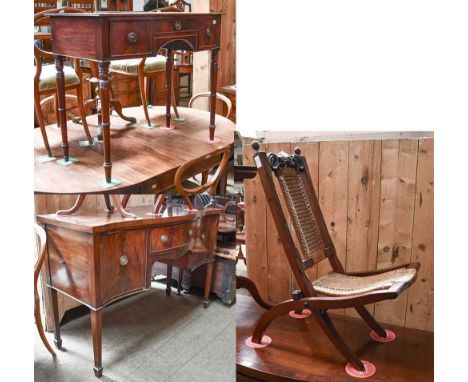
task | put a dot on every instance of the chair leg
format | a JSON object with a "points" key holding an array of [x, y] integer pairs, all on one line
{"points": [[169, 280], [40, 120], [40, 328], [96, 328], [142, 81], [367, 317], [327, 326], [179, 281], [208, 280], [79, 96], [117, 106]]}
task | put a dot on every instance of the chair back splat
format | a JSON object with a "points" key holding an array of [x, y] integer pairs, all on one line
{"points": [[309, 225]]}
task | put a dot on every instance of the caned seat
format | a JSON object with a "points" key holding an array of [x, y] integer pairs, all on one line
{"points": [[339, 284], [48, 80], [152, 64]]}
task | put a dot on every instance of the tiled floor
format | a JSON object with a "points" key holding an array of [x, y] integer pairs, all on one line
{"points": [[148, 337]]}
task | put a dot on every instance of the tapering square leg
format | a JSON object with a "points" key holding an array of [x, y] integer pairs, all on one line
{"points": [[96, 328], [57, 338]]}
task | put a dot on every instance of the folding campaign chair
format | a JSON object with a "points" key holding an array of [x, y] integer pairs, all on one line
{"points": [[335, 290]]}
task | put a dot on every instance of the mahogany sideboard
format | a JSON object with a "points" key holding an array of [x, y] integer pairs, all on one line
{"points": [[99, 257], [106, 36]]}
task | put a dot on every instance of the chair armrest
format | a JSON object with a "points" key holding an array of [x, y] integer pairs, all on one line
{"points": [[379, 271]]}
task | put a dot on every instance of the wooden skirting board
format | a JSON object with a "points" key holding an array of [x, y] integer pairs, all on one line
{"points": [[377, 197]]}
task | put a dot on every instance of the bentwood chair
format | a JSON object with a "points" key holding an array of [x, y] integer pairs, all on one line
{"points": [[186, 171], [182, 5], [41, 244], [45, 77], [336, 290]]}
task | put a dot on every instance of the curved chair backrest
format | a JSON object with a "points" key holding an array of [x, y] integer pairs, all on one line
{"points": [[220, 157], [220, 96], [167, 9]]}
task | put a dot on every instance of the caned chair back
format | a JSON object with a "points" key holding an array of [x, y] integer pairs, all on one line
{"points": [[302, 204]]}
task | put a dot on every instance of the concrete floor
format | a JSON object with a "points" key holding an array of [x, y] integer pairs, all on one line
{"points": [[148, 337]]}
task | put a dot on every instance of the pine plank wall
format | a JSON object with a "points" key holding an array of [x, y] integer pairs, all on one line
{"points": [[377, 197]]}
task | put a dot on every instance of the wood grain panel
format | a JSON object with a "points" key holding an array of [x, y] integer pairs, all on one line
{"points": [[398, 186], [420, 306], [363, 208]]}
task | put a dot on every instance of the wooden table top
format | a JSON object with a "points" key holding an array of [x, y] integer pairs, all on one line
{"points": [[300, 351], [139, 155], [101, 220]]}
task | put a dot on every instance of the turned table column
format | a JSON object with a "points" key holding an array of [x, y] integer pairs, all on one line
{"points": [[104, 85]]}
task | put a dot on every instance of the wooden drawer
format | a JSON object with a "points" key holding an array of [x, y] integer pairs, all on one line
{"points": [[123, 263], [208, 32], [130, 38], [175, 25], [175, 236]]}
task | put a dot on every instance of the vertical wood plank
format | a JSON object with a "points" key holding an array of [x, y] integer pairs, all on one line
{"points": [[363, 208], [398, 186], [420, 307], [279, 271], [255, 226], [333, 198], [333, 195]]}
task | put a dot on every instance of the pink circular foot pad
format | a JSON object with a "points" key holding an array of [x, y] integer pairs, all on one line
{"points": [[207, 140], [305, 313], [264, 342], [171, 127], [390, 336], [369, 370]]}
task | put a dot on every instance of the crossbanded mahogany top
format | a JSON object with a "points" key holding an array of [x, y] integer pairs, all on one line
{"points": [[141, 157], [136, 13]]}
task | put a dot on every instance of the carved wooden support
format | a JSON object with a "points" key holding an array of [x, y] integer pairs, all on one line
{"points": [[60, 76], [79, 201]]}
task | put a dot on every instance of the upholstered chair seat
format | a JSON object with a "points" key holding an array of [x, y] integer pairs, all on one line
{"points": [[339, 284], [152, 64], [47, 78]]}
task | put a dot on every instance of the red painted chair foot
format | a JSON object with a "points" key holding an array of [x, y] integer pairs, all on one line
{"points": [[264, 342], [390, 336], [305, 313], [369, 370]]}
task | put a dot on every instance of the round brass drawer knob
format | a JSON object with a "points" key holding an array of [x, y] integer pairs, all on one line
{"points": [[209, 32], [132, 37], [164, 239], [123, 260], [178, 25]]}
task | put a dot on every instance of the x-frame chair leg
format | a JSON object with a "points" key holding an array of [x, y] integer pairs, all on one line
{"points": [[323, 320], [327, 326], [367, 317]]}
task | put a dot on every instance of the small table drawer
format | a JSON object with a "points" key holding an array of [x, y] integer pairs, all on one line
{"points": [[208, 32], [176, 25], [171, 237], [130, 38]]}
